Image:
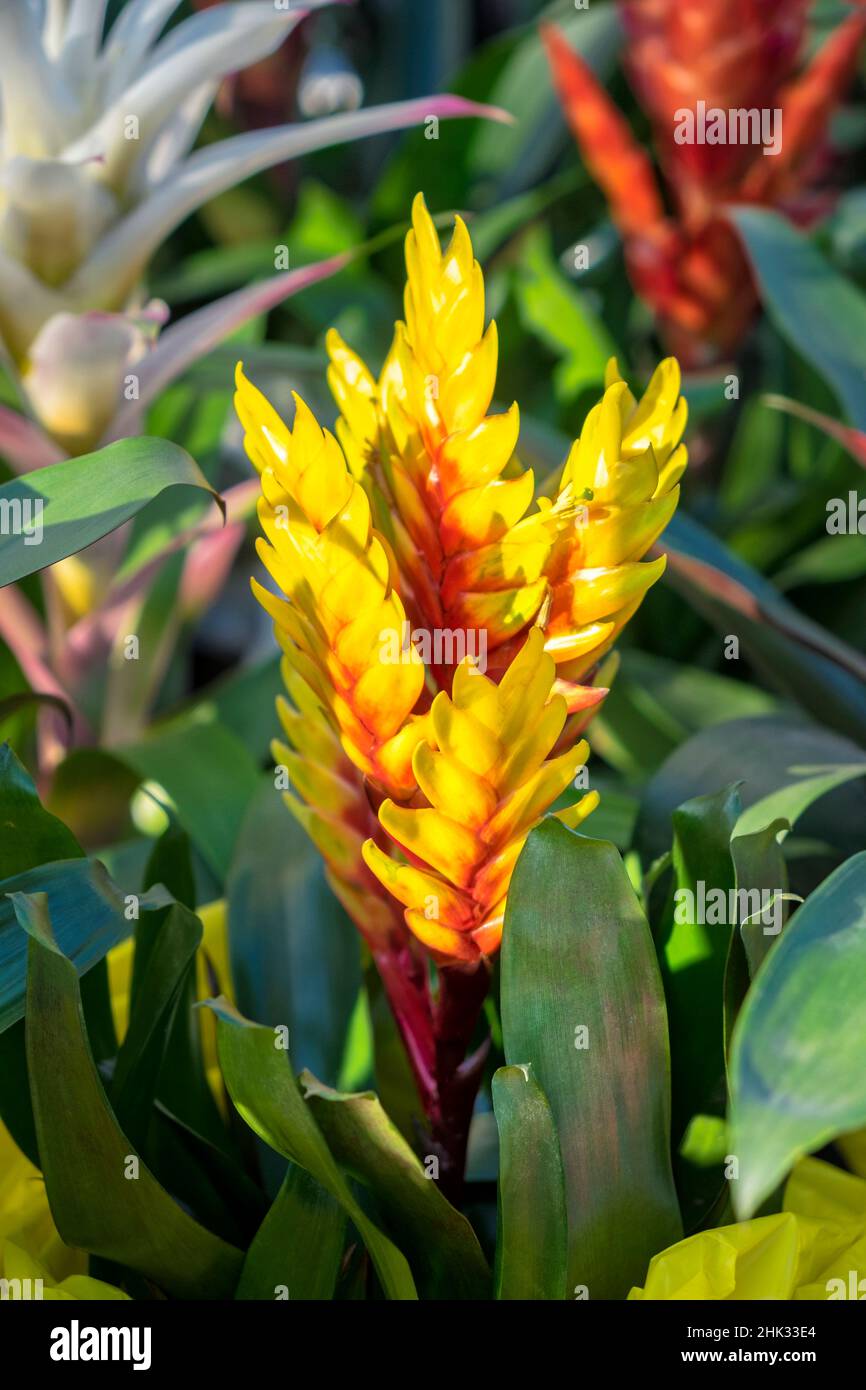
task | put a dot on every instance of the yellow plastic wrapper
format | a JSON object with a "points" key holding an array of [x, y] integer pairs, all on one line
{"points": [[815, 1248]]}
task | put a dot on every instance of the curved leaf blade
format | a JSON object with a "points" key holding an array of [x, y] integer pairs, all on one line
{"points": [[262, 1086], [531, 1244], [577, 953], [798, 1055], [84, 1152], [59, 510], [440, 1243]]}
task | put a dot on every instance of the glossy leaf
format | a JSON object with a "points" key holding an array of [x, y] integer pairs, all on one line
{"points": [[82, 499], [85, 1154], [821, 314], [294, 952], [87, 912], [209, 776], [798, 1057], [262, 1086], [577, 954], [439, 1242], [532, 1226], [297, 1250]]}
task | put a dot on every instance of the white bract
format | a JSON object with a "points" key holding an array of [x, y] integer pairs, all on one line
{"points": [[96, 170]]}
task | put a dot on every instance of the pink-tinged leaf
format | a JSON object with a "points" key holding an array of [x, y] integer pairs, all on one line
{"points": [[724, 588], [185, 342], [207, 567], [116, 262], [22, 631], [852, 440], [23, 444], [91, 638]]}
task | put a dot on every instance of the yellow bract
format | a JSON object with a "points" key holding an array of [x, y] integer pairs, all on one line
{"points": [[419, 522], [485, 782]]}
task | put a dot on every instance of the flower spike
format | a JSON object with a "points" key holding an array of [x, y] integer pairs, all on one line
{"points": [[485, 783]]}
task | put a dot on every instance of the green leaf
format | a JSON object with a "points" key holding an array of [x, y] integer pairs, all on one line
{"points": [[759, 867], [776, 753], [693, 953], [209, 776], [82, 499], [790, 802], [299, 1245], [29, 835], [694, 944], [531, 1243], [260, 1082], [294, 952], [792, 652], [798, 1057], [85, 1154], [822, 314], [169, 946], [441, 1246], [577, 954], [87, 912], [559, 314]]}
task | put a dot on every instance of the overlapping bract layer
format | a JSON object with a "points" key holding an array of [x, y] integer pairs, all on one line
{"points": [[351, 715], [423, 435], [622, 476], [454, 785], [486, 780], [455, 501]]}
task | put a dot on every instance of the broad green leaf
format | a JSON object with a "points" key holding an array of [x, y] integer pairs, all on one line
{"points": [[693, 948], [772, 752], [807, 785], [532, 1224], [70, 505], [582, 1003], [294, 952], [209, 776], [260, 1081], [85, 1155], [792, 652], [759, 867], [694, 943], [169, 945], [821, 314], [87, 911], [30, 834], [183, 1086], [297, 1250], [798, 1057], [439, 1242]]}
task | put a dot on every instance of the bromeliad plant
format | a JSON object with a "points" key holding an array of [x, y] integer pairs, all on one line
{"points": [[97, 172], [418, 780], [682, 56]]}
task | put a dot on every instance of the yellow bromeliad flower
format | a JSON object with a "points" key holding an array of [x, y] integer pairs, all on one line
{"points": [[455, 503], [419, 770], [423, 518], [487, 780]]}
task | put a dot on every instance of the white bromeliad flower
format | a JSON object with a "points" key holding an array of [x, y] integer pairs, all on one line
{"points": [[96, 169]]}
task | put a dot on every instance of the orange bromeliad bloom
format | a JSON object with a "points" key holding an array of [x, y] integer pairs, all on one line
{"points": [[733, 56], [419, 779]]}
